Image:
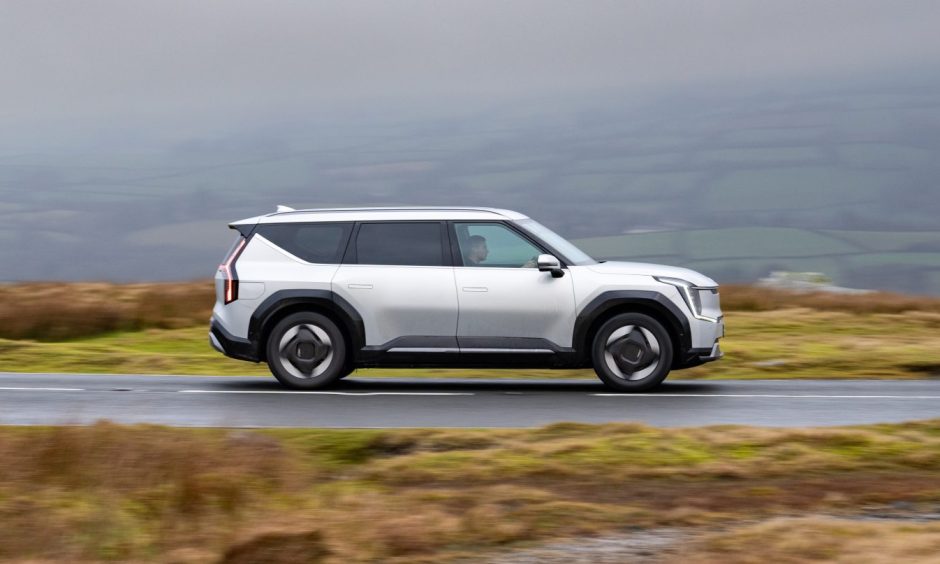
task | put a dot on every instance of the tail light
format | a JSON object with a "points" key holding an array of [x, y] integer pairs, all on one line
{"points": [[227, 268]]}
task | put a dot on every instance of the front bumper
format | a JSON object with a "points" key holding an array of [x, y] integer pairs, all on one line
{"points": [[697, 357], [713, 355], [713, 332]]}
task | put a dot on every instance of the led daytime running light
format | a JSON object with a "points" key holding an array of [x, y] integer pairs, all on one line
{"points": [[694, 302]]}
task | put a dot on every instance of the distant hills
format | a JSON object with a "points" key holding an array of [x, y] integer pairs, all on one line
{"points": [[845, 182], [901, 261]]}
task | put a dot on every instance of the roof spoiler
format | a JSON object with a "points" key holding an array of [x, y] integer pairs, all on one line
{"points": [[247, 225]]}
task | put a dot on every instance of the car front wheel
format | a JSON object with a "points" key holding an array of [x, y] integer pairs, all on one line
{"points": [[632, 352], [306, 351]]}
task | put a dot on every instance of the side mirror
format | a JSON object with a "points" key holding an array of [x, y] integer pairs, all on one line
{"points": [[548, 263]]}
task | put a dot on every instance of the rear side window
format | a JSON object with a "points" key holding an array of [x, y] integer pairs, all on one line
{"points": [[400, 243], [313, 242]]}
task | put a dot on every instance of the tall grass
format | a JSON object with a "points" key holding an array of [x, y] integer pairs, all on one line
{"points": [[145, 493], [54, 311], [737, 297]]}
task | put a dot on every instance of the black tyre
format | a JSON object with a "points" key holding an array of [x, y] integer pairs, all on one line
{"points": [[306, 351], [632, 352]]}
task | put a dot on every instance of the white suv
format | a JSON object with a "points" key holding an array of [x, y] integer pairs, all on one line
{"points": [[319, 293]]}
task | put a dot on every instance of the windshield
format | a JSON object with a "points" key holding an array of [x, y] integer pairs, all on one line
{"points": [[570, 253]]}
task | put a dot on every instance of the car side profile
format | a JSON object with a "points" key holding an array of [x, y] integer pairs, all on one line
{"points": [[319, 293]]}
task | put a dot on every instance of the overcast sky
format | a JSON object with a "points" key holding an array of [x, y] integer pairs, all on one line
{"points": [[155, 60], [121, 117]]}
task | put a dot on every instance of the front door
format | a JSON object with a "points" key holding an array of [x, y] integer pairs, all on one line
{"points": [[505, 304]]}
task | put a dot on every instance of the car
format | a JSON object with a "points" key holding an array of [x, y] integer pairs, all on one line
{"points": [[318, 293]]}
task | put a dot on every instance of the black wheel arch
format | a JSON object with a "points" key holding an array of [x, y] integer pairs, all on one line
{"points": [[282, 303], [613, 302]]}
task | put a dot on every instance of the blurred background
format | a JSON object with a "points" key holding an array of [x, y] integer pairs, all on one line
{"points": [[737, 139]]}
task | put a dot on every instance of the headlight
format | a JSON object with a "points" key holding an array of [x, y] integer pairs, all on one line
{"points": [[691, 295]]}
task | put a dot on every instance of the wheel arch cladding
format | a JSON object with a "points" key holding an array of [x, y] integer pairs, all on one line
{"points": [[286, 302], [615, 302]]}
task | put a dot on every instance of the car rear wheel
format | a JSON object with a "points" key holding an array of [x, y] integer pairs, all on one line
{"points": [[306, 351], [632, 352]]}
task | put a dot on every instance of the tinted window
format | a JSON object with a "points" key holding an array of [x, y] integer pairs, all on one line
{"points": [[312, 242], [495, 245], [417, 244]]}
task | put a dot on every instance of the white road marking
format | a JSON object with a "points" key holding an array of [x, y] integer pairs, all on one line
{"points": [[817, 396], [324, 393], [606, 395], [11, 388]]}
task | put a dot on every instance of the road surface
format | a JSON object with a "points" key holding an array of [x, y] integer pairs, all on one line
{"points": [[216, 401]]}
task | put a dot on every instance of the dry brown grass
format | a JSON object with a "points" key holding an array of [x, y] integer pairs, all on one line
{"points": [[819, 539], [145, 493], [737, 297], [108, 492], [51, 311]]}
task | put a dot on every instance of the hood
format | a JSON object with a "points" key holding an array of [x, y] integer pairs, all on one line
{"points": [[649, 269]]}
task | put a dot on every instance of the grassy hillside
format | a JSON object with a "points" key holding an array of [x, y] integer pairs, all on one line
{"points": [[851, 258], [114, 493], [785, 343], [54, 311], [162, 329]]}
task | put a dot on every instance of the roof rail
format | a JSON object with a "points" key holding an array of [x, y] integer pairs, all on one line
{"points": [[285, 209]]}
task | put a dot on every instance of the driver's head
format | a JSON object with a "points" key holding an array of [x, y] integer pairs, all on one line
{"points": [[478, 250]]}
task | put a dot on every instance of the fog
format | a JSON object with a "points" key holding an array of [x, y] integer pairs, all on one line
{"points": [[796, 136]]}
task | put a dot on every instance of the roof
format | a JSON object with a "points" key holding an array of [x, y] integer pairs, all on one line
{"points": [[383, 213]]}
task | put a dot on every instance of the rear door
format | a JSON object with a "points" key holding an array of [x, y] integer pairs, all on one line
{"points": [[398, 276]]}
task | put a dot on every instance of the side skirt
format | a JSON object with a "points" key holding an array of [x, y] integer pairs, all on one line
{"points": [[489, 359], [445, 352]]}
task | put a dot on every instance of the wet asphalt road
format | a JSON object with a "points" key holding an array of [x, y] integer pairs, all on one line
{"points": [[52, 399]]}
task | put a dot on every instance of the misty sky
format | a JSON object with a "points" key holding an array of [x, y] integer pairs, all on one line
{"points": [[73, 65], [782, 135]]}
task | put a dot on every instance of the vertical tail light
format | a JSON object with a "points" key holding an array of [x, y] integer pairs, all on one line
{"points": [[227, 268]]}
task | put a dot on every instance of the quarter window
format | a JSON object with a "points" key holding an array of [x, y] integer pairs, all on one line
{"points": [[313, 242], [494, 245], [400, 243]]}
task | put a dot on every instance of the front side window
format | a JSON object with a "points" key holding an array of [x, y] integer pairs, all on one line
{"points": [[321, 243], [400, 243], [494, 245]]}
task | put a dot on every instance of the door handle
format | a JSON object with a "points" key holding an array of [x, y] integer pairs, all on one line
{"points": [[475, 289], [359, 286]]}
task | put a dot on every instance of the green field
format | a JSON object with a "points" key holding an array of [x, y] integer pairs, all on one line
{"points": [[786, 343]]}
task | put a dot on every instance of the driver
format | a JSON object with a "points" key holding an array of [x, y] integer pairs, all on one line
{"points": [[477, 252]]}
